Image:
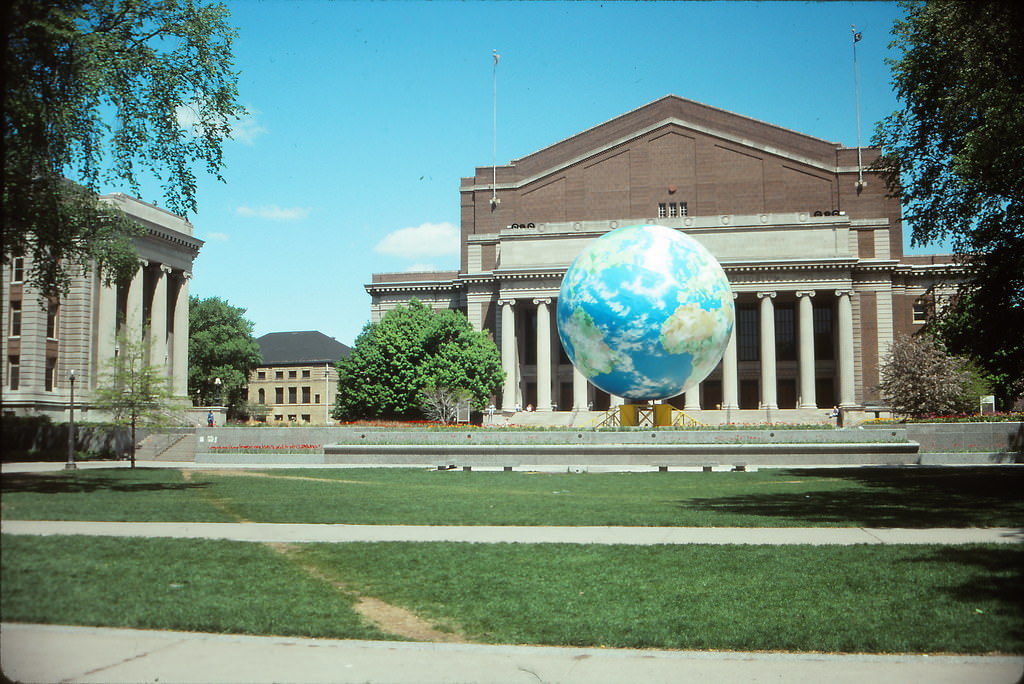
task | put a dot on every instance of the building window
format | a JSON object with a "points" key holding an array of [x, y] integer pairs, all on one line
{"points": [[316, 398], [291, 418], [823, 348], [683, 211], [51, 374], [305, 418], [292, 395], [292, 374], [662, 210], [672, 210], [920, 311], [305, 373], [17, 269], [785, 333], [14, 372], [279, 375], [261, 375], [748, 333], [305, 395], [52, 309], [262, 394], [279, 395], [278, 417], [15, 318]]}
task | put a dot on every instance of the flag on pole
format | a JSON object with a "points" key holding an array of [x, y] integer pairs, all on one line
{"points": [[856, 34], [496, 57]]}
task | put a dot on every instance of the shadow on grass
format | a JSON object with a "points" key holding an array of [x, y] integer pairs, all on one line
{"points": [[915, 497], [82, 483], [999, 579]]}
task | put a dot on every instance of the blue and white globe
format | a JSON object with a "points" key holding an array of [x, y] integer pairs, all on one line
{"points": [[645, 312]]}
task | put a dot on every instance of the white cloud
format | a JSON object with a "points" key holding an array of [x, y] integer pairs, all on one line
{"points": [[424, 240], [246, 130], [272, 212], [217, 237]]}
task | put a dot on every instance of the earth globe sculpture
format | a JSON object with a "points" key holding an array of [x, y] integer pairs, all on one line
{"points": [[645, 312]]}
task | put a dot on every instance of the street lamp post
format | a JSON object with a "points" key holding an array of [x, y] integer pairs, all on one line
{"points": [[217, 384], [70, 465]]}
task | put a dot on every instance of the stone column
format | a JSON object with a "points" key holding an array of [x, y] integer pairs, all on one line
{"points": [[845, 333], [508, 353], [179, 338], [106, 330], [730, 375], [692, 400], [158, 352], [768, 383], [133, 311], [580, 387], [543, 354], [806, 349]]}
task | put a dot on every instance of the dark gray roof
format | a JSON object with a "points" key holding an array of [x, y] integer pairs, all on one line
{"points": [[286, 348]]}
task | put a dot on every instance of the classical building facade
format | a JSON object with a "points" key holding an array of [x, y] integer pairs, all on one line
{"points": [[298, 380], [43, 341], [811, 242]]}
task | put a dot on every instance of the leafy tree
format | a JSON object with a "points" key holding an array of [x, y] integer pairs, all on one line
{"points": [[918, 378], [220, 345], [133, 392], [106, 91], [411, 349], [955, 156]]}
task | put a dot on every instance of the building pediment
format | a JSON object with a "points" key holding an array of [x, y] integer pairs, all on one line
{"points": [[670, 115]]}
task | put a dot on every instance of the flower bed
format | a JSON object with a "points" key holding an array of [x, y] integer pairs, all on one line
{"points": [[268, 448]]}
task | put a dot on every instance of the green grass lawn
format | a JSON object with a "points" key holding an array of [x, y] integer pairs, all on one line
{"points": [[870, 497], [928, 599]]}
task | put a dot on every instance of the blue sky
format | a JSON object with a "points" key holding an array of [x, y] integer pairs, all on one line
{"points": [[365, 115]]}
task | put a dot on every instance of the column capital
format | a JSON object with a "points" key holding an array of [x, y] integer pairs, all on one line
{"points": [[187, 275], [804, 293], [505, 300], [542, 300], [847, 292], [770, 294], [166, 269]]}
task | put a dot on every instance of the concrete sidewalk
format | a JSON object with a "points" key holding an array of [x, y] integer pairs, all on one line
{"points": [[638, 536], [47, 653]]}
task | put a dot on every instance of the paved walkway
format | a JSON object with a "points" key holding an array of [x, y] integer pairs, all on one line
{"points": [[639, 536], [46, 653]]}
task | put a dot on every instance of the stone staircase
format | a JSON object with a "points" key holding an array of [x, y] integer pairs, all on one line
{"points": [[178, 444]]}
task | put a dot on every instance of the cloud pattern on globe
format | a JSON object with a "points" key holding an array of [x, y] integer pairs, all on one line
{"points": [[645, 312]]}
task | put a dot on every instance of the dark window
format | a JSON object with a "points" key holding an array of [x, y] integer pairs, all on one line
{"points": [[51, 320], [261, 375], [17, 269], [292, 395], [262, 396], [51, 374], [15, 318], [823, 333], [785, 333], [279, 395], [662, 210], [305, 373], [14, 372], [279, 375], [305, 395], [748, 332], [920, 311], [292, 374]]}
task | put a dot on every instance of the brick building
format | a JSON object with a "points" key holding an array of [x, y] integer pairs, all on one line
{"points": [[298, 380], [810, 241]]}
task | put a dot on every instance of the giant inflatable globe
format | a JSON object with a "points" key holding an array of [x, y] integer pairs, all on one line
{"points": [[645, 312]]}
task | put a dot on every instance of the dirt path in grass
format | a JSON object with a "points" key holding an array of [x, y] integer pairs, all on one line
{"points": [[385, 616], [249, 473]]}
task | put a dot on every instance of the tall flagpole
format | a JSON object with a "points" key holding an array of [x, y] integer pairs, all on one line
{"points": [[494, 132], [856, 91]]}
